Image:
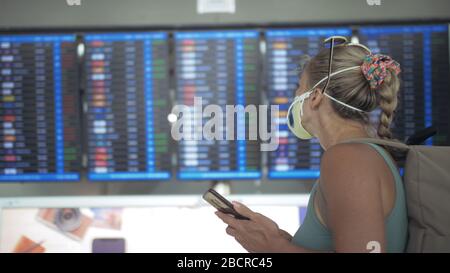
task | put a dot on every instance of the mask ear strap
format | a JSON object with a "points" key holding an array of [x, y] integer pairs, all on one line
{"points": [[330, 97], [344, 104], [301, 107], [299, 99]]}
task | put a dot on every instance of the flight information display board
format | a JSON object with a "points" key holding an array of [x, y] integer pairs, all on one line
{"points": [[294, 158], [423, 53], [221, 68], [128, 101], [39, 108]]}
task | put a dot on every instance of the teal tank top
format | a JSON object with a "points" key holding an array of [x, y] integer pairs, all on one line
{"points": [[313, 235]]}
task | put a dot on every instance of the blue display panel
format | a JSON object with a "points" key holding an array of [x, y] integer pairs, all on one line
{"points": [[294, 158], [39, 108], [423, 53], [221, 68], [127, 87]]}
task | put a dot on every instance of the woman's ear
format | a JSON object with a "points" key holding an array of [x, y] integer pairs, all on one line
{"points": [[316, 98]]}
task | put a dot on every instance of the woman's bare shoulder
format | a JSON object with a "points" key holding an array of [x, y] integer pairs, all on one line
{"points": [[349, 164]]}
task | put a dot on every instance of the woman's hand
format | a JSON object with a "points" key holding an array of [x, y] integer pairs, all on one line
{"points": [[259, 234]]}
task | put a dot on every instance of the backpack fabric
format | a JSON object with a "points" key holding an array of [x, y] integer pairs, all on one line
{"points": [[426, 181]]}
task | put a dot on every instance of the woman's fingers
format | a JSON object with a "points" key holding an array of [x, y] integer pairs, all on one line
{"points": [[230, 231], [227, 219], [243, 209]]}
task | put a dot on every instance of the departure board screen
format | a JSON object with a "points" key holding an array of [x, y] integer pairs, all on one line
{"points": [[220, 68], [294, 158], [39, 108], [128, 99], [423, 53]]}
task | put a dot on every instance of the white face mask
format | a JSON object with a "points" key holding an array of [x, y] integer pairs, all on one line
{"points": [[295, 111], [294, 116]]}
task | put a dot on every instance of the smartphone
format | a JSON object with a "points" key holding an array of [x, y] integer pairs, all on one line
{"points": [[222, 204], [108, 245]]}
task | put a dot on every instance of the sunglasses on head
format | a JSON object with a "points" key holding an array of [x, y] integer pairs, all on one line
{"points": [[331, 43]]}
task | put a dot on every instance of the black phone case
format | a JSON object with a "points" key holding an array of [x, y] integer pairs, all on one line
{"points": [[226, 206]]}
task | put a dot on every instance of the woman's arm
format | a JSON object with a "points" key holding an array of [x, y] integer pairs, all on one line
{"points": [[286, 235], [350, 183]]}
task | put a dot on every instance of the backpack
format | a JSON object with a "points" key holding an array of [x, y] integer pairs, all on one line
{"points": [[427, 187]]}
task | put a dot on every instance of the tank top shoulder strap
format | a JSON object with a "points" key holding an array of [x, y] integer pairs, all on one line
{"points": [[389, 161]]}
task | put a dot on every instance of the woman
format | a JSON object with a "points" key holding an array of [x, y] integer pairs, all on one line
{"points": [[358, 204]]}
